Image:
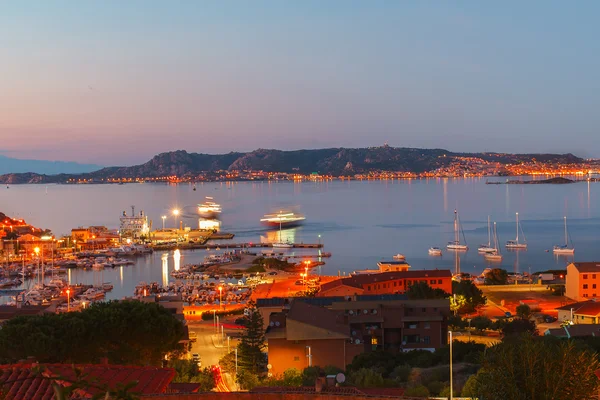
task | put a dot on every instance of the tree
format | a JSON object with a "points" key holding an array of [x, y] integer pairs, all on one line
{"points": [[537, 369], [227, 363], [473, 296], [247, 380], [124, 332], [520, 326], [187, 371], [523, 311], [421, 290], [470, 387], [366, 378], [496, 276], [481, 323], [251, 355]]}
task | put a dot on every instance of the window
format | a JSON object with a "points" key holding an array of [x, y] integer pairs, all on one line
{"points": [[395, 283], [432, 282], [369, 287], [296, 358], [424, 309], [434, 308], [374, 341], [593, 276], [427, 325], [584, 276], [585, 286], [594, 295], [426, 339], [593, 286], [585, 295], [439, 281]]}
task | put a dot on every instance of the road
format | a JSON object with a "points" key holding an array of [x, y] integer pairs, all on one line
{"points": [[205, 345]]}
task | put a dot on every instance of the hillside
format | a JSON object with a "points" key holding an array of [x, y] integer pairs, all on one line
{"points": [[334, 161], [10, 165]]}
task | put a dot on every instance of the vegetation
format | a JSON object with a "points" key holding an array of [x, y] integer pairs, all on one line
{"points": [[471, 296], [187, 371], [251, 356], [536, 369], [209, 315], [496, 276], [421, 290], [519, 326], [124, 332], [523, 311]]}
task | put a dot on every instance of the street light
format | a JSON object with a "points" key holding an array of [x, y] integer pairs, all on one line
{"points": [[163, 218], [37, 254], [309, 356], [451, 389], [220, 296], [68, 300]]}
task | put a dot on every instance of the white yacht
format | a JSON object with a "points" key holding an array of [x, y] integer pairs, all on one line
{"points": [[435, 251], [456, 244], [399, 257], [494, 255], [209, 209], [487, 248], [564, 249], [515, 244]]}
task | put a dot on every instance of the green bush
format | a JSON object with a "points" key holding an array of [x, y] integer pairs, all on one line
{"points": [[417, 391], [435, 387], [470, 388], [401, 373], [366, 378], [255, 268]]}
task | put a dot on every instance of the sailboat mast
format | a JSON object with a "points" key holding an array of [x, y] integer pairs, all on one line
{"points": [[566, 238], [517, 227], [456, 236], [489, 233]]}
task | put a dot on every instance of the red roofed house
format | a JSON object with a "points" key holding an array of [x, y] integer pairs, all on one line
{"points": [[33, 381], [387, 283]]}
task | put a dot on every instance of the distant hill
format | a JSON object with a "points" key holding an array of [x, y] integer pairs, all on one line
{"points": [[10, 165], [334, 161]]}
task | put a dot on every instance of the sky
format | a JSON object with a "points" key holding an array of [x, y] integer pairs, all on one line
{"points": [[115, 82]]}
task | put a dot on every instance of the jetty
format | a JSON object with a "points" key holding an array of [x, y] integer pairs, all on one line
{"points": [[213, 246]]}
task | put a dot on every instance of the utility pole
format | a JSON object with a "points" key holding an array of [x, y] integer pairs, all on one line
{"points": [[451, 387]]}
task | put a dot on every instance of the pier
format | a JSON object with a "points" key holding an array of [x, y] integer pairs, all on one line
{"points": [[204, 246]]}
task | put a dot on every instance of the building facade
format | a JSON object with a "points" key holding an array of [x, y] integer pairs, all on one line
{"points": [[303, 333], [583, 281]]}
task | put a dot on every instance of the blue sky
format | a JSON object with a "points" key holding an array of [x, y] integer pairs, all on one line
{"points": [[115, 82]]}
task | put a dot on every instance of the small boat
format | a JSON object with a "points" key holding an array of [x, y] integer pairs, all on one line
{"points": [[435, 251], [283, 218], [283, 245], [456, 244], [209, 209], [515, 244], [399, 257], [564, 249]]}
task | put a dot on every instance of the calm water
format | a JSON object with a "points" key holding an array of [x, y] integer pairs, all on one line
{"points": [[359, 222]]}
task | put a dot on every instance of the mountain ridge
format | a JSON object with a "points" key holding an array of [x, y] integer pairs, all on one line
{"points": [[19, 165], [331, 161]]}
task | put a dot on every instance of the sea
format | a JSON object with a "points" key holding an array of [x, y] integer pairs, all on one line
{"points": [[359, 222]]}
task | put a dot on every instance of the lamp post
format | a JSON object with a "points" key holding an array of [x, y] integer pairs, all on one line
{"points": [[228, 344], [163, 219], [176, 214], [236, 361], [214, 318], [221, 297], [68, 300], [309, 356], [451, 387]]}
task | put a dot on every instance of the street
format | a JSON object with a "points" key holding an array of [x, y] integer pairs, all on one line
{"points": [[208, 343]]}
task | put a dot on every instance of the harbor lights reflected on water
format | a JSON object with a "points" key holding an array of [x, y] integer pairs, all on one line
{"points": [[69, 276], [121, 275], [177, 259], [165, 269]]}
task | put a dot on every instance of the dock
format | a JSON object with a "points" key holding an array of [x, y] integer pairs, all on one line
{"points": [[213, 246]]}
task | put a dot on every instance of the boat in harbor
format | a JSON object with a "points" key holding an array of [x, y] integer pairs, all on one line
{"points": [[435, 251], [399, 257], [487, 248], [285, 219], [515, 244], [564, 249], [209, 209], [280, 243], [456, 244], [494, 255]]}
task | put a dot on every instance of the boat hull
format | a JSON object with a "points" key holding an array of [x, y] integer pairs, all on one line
{"points": [[457, 247], [563, 251], [516, 246], [485, 249], [284, 225]]}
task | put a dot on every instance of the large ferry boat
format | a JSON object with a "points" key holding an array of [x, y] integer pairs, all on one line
{"points": [[282, 219], [209, 209]]}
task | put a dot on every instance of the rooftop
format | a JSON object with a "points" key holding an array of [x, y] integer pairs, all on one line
{"points": [[318, 317], [342, 390], [359, 281], [33, 381], [587, 266], [575, 330]]}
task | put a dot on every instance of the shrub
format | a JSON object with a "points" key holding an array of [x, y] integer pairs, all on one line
{"points": [[401, 373], [417, 391], [435, 387], [366, 378]]}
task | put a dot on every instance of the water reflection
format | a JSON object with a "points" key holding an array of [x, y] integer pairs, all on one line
{"points": [[281, 236], [121, 275], [177, 259], [165, 269]]}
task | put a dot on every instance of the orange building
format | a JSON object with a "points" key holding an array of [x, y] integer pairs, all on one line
{"points": [[583, 280], [387, 283]]}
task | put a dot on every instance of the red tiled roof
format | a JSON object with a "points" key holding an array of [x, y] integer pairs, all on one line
{"points": [[183, 388], [574, 306], [33, 381], [590, 309], [359, 281]]}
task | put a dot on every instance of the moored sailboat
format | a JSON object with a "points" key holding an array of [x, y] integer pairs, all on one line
{"points": [[487, 248], [564, 249], [456, 244], [494, 255], [515, 244]]}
